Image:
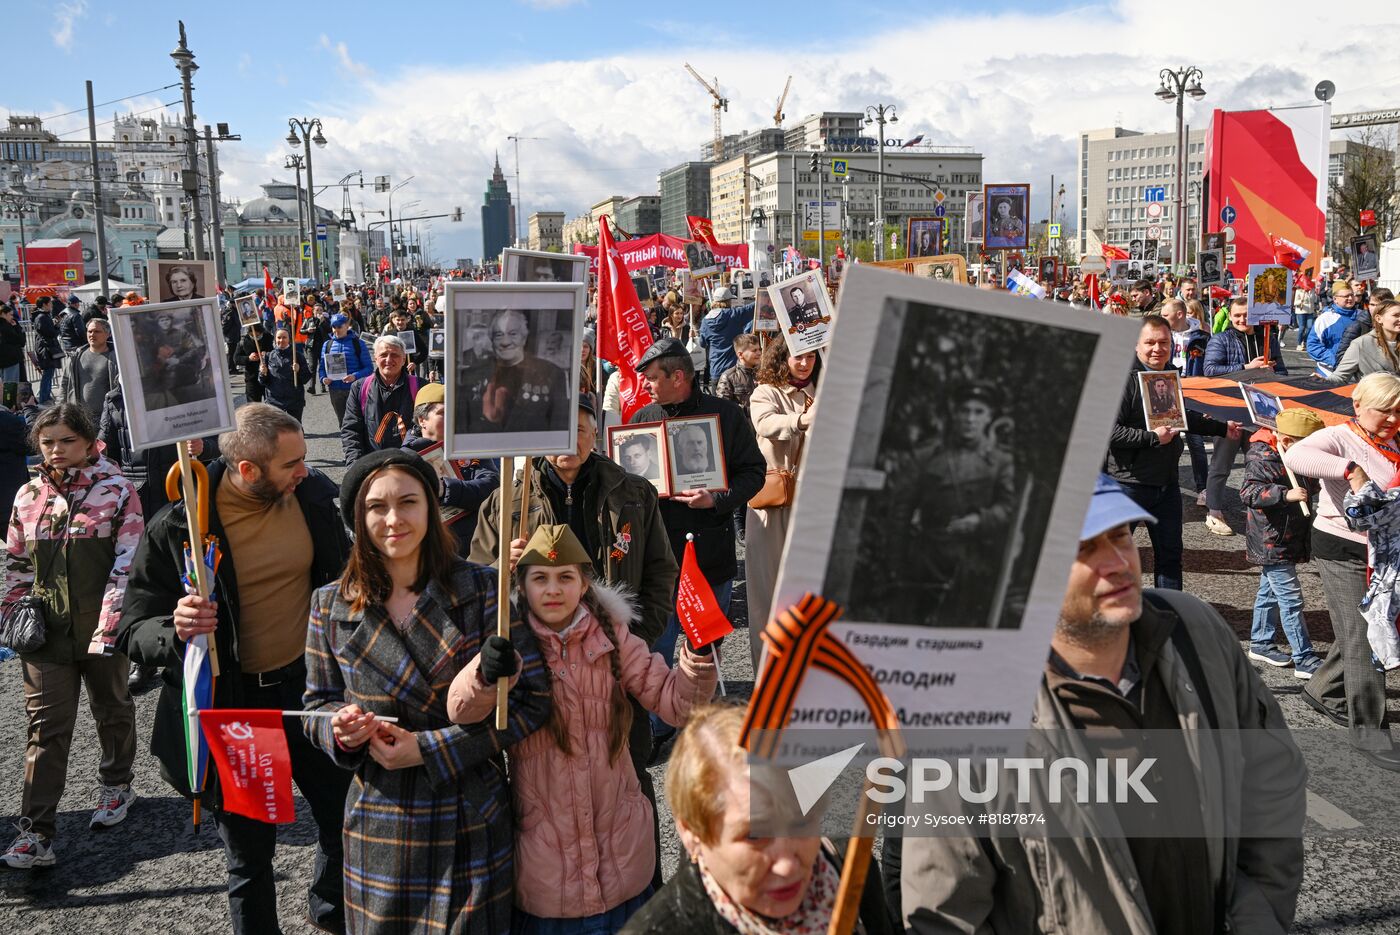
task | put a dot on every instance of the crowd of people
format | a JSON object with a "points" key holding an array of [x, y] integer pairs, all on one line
{"points": [[375, 602]]}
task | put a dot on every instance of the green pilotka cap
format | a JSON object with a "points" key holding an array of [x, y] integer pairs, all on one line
{"points": [[555, 546]]}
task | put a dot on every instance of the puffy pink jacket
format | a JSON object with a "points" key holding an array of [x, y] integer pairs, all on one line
{"points": [[583, 838]]}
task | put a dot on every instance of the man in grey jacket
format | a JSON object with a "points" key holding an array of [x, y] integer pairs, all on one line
{"points": [[1226, 854]]}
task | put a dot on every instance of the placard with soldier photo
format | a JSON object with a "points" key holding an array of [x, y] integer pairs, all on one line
{"points": [[804, 312], [291, 293], [695, 454], [974, 217], [410, 341], [247, 305], [1049, 271], [691, 291], [181, 280], [1270, 293], [641, 282], [944, 483], [1008, 207], [512, 382], [437, 342], [338, 290], [542, 266], [1211, 266], [448, 469], [700, 260], [1365, 261], [170, 359], [764, 317], [1162, 403], [641, 449], [1263, 407], [924, 236]]}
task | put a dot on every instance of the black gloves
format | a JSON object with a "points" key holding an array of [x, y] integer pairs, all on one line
{"points": [[497, 659]]}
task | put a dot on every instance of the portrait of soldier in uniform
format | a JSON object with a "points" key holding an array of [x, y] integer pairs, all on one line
{"points": [[800, 310], [514, 390]]}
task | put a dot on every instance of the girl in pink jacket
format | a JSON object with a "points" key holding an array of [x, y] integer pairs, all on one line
{"points": [[584, 846]]}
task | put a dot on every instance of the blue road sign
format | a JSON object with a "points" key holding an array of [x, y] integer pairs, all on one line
{"points": [[838, 168], [939, 211], [1154, 193], [1227, 215], [320, 232]]}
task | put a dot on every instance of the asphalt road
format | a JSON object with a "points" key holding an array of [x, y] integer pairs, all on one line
{"points": [[153, 873]]}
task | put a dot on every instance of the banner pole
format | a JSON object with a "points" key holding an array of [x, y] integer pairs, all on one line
{"points": [[194, 522], [503, 530]]}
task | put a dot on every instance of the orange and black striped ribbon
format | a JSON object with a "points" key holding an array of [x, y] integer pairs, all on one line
{"points": [[797, 640]]}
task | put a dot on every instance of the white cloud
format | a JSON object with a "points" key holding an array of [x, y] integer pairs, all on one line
{"points": [[342, 53], [65, 17], [612, 123]]}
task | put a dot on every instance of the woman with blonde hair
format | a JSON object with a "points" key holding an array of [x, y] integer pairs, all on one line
{"points": [[729, 880], [1376, 351], [1348, 689]]}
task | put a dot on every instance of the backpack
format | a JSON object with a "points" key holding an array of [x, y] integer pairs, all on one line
{"points": [[364, 389], [359, 353]]}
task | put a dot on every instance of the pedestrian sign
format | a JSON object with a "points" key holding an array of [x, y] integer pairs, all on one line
{"points": [[306, 249], [70, 275], [1227, 215], [1054, 231], [838, 168]]}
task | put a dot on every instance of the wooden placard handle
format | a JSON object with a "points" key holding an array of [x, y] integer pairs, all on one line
{"points": [[503, 529]]}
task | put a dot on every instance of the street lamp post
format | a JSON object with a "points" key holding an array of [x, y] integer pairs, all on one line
{"points": [[880, 114], [184, 64], [392, 263], [305, 126], [294, 161], [1176, 85], [17, 202]]}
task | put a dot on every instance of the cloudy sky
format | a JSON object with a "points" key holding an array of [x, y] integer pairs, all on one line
{"points": [[433, 89]]}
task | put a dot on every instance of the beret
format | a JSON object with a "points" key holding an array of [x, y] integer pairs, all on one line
{"points": [[361, 470]]}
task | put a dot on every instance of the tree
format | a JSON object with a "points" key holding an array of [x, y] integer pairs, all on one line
{"points": [[1367, 182]]}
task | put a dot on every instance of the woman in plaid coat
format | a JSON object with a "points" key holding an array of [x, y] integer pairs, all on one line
{"points": [[428, 828]]}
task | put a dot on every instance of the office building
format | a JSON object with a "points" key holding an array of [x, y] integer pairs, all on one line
{"points": [[1116, 169], [685, 189], [640, 216], [545, 230], [497, 216]]}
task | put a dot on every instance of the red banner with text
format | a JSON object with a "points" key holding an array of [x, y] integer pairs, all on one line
{"points": [[664, 250], [249, 747]]}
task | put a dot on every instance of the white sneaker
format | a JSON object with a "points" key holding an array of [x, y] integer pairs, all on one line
{"points": [[28, 850], [1218, 526], [113, 802]]}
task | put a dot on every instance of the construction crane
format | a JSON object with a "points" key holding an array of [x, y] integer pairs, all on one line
{"points": [[778, 114], [721, 103]]}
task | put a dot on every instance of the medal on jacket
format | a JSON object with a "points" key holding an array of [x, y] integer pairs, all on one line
{"points": [[622, 544]]}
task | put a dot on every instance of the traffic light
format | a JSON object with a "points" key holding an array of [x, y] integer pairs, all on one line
{"points": [[814, 162]]}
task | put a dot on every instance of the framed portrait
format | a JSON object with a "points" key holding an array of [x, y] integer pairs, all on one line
{"points": [[691, 292], [512, 381], [1135, 269], [1148, 269], [925, 236], [448, 469], [695, 454], [804, 313], [291, 292], [641, 449], [742, 281], [1150, 251], [1162, 402], [170, 357], [1365, 261], [542, 266], [437, 342], [642, 283], [1213, 241], [1210, 265], [924, 375], [764, 317], [947, 267], [1008, 207], [1049, 271], [1135, 249], [247, 305], [410, 341], [1118, 271], [336, 366], [700, 260], [181, 280], [837, 269], [974, 217], [1263, 407], [338, 290], [1270, 292]]}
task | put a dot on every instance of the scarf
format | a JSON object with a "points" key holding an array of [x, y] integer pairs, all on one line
{"points": [[811, 917], [1381, 448], [799, 384]]}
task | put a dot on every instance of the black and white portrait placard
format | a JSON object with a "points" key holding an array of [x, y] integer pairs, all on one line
{"points": [[338, 291], [943, 486], [1211, 266], [171, 361], [641, 449], [291, 292], [695, 453], [804, 312], [542, 266], [181, 280], [247, 306], [512, 381], [1365, 261], [764, 317], [437, 342], [700, 260]]}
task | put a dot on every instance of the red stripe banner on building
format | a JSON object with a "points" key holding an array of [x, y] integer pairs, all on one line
{"points": [[664, 250]]}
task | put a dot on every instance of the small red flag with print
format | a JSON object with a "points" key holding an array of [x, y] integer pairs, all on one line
{"points": [[268, 288], [696, 608], [249, 747], [702, 230]]}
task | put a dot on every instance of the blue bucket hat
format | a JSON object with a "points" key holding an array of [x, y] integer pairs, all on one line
{"points": [[1110, 507]]}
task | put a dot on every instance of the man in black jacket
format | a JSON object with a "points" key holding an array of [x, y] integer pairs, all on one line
{"points": [[48, 351], [1145, 460], [389, 390], [278, 526], [669, 375]]}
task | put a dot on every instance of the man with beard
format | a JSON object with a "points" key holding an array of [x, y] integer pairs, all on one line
{"points": [[514, 391], [282, 537]]}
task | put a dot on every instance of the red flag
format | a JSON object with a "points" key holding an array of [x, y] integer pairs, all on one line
{"points": [[1091, 281], [1111, 252], [696, 608], [1220, 292], [268, 288], [623, 333], [702, 230], [1289, 254], [384, 264], [249, 747]]}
